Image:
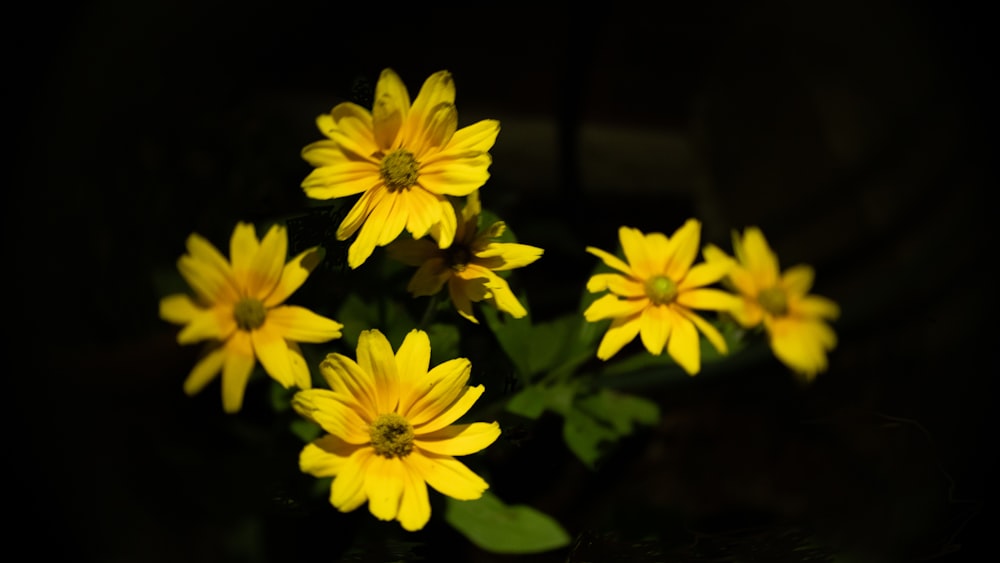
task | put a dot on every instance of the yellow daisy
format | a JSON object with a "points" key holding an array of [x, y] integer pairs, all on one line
{"points": [[403, 160], [654, 294], [468, 264], [238, 308], [389, 429], [794, 320]]}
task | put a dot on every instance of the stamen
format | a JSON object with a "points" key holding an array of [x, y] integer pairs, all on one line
{"points": [[661, 290], [249, 313], [391, 435], [399, 169], [774, 301]]}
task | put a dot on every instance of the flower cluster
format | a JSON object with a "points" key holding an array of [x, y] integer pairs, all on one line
{"points": [[389, 421]]}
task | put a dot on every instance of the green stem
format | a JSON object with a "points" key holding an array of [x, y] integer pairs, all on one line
{"points": [[428, 315]]}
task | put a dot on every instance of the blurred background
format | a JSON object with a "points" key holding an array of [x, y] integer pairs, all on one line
{"points": [[855, 134]]}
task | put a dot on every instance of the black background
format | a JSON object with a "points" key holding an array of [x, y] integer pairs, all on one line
{"points": [[856, 134]]}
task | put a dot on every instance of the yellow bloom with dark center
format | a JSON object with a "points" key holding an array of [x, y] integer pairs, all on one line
{"points": [[794, 320], [403, 159], [238, 307], [468, 265], [654, 293], [390, 432]]}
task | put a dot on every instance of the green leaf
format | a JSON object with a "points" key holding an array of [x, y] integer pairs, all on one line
{"points": [[528, 402], [445, 340], [513, 335], [600, 419], [496, 527], [306, 430]]}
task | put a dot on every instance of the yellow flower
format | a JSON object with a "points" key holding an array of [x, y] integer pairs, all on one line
{"points": [[389, 429], [468, 264], [403, 160], [794, 320], [654, 294], [238, 308]]}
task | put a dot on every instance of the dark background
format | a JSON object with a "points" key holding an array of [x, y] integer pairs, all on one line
{"points": [[856, 134]]}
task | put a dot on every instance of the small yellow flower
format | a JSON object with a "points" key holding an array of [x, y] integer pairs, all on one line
{"points": [[390, 431], [403, 160], [654, 294], [468, 264], [794, 320], [238, 308]]}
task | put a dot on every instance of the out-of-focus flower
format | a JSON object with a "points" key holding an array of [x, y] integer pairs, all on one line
{"points": [[654, 294], [468, 265], [403, 160], [794, 320], [390, 431], [238, 307]]}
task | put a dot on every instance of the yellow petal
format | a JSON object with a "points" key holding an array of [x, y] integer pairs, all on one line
{"points": [[395, 218], [390, 108], [360, 211], [216, 323], [455, 176], [682, 249], [711, 333], [459, 290], [438, 90], [504, 298], [344, 376], [758, 258], [205, 370], [622, 331], [302, 325], [802, 346], [210, 284], [325, 153], [294, 275], [711, 299], [433, 393], [704, 274], [412, 361], [448, 476], [816, 306], [267, 265], [424, 210], [457, 409], [355, 133], [178, 309], [272, 351], [348, 489], [611, 307], [478, 137], [384, 479], [654, 328], [444, 231], [618, 284], [207, 271], [415, 506], [637, 254], [500, 256], [236, 370], [325, 456], [438, 128], [243, 245], [412, 252], [459, 439], [683, 345], [352, 177], [336, 413], [798, 280], [300, 369], [429, 278], [611, 261], [375, 356]]}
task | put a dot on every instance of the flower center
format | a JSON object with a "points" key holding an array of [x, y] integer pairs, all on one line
{"points": [[391, 435], [399, 169], [773, 300], [249, 313], [458, 256], [661, 289]]}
